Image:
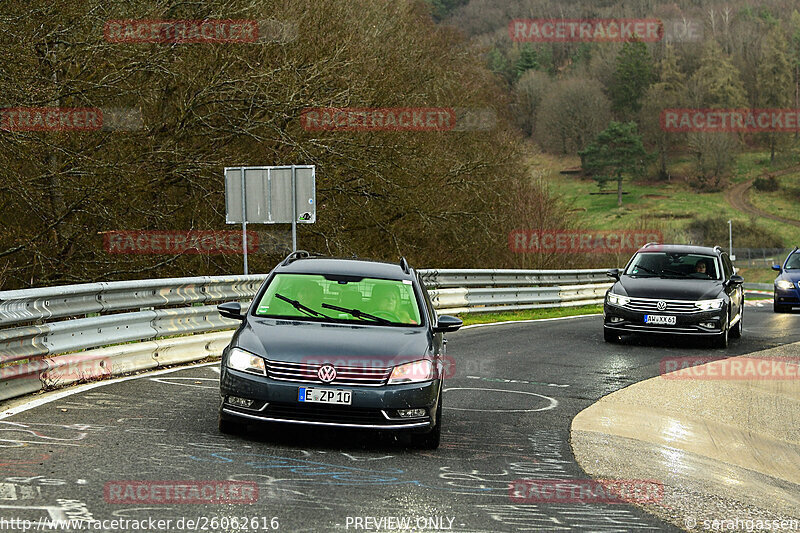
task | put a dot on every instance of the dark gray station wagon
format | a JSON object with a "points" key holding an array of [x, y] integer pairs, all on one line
{"points": [[338, 343]]}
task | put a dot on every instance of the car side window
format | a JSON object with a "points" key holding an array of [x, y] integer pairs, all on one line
{"points": [[727, 266], [428, 303]]}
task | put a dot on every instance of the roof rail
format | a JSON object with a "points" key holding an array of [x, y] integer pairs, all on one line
{"points": [[294, 256], [649, 244], [404, 265], [718, 249]]}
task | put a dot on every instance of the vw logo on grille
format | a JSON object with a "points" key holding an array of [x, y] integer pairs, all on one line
{"points": [[661, 305], [326, 373]]}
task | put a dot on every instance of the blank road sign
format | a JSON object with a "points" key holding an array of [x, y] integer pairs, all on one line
{"points": [[268, 191]]}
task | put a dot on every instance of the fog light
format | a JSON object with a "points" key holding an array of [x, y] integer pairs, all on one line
{"points": [[239, 402], [410, 413], [708, 325], [615, 319]]}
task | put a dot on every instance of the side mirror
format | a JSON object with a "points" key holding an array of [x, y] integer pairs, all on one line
{"points": [[776, 268], [736, 279], [231, 310], [613, 273], [447, 324]]}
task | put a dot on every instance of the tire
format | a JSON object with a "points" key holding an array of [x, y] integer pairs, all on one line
{"points": [[610, 336], [431, 440], [736, 332], [721, 340]]}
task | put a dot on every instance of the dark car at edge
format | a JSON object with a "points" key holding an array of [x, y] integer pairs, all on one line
{"points": [[787, 284], [337, 343], [675, 290]]}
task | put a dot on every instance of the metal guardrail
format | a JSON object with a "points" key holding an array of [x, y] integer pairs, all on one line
{"points": [[54, 336], [58, 335]]}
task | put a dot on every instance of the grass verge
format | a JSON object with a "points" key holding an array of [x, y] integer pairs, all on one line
{"points": [[529, 314]]}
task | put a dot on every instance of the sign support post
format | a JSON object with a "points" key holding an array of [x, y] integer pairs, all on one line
{"points": [[294, 208], [244, 225]]}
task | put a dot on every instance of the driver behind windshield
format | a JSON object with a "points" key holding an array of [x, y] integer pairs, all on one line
{"points": [[310, 294], [700, 267], [386, 299]]}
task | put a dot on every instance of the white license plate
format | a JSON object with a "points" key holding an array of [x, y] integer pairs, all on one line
{"points": [[659, 319], [309, 395]]}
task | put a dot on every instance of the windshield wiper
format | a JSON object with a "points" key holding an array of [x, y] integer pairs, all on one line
{"points": [[300, 307], [357, 313]]}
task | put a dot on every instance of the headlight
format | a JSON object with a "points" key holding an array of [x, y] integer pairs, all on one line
{"points": [[246, 362], [421, 370], [616, 299], [708, 305], [783, 284]]}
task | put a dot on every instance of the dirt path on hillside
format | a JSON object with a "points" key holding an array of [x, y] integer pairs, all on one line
{"points": [[739, 198]]}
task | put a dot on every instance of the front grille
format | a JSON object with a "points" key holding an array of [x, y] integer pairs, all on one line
{"points": [[659, 329], [328, 413], [648, 305], [367, 376]]}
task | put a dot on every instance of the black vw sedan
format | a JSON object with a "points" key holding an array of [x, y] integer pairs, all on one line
{"points": [[337, 343], [675, 290]]}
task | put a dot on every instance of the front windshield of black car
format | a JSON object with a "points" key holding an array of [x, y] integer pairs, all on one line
{"points": [[326, 298], [793, 263], [674, 265]]}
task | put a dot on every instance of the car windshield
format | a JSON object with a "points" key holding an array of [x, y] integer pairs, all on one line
{"points": [[793, 262], [674, 265], [337, 299]]}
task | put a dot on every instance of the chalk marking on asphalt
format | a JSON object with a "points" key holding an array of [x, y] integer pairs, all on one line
{"points": [[168, 381], [525, 382], [82, 388], [553, 401], [529, 320]]}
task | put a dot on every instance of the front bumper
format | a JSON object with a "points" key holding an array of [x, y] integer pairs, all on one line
{"points": [[625, 320], [786, 296], [371, 408]]}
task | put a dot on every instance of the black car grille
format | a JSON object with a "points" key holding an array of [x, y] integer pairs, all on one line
{"points": [[331, 414], [648, 305], [367, 376]]}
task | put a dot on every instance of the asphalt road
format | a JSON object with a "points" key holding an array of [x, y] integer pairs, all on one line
{"points": [[507, 415]]}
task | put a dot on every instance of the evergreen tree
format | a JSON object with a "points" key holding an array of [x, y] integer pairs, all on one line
{"points": [[616, 152], [794, 25], [632, 77], [775, 81], [668, 92], [719, 80], [528, 59]]}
